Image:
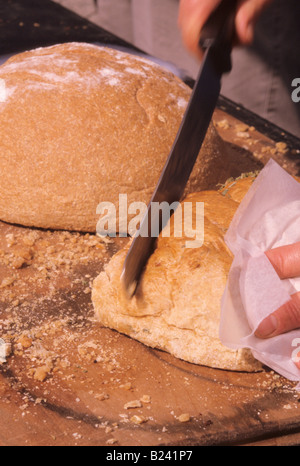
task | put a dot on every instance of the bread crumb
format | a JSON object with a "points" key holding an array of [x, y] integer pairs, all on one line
{"points": [[146, 399], [241, 127], [24, 341], [5, 351], [111, 441], [7, 282], [133, 404], [10, 240], [223, 124], [185, 417], [126, 386], [102, 396], [243, 135], [136, 419], [41, 373], [30, 239], [281, 147]]}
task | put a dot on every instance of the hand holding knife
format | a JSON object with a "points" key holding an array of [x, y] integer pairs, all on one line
{"points": [[216, 41]]}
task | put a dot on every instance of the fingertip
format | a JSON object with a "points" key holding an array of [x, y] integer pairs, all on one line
{"points": [[244, 26], [283, 320], [248, 13], [246, 33], [191, 18], [190, 34], [267, 328], [285, 260]]}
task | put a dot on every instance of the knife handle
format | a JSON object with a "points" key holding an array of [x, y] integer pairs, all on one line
{"points": [[219, 32]]}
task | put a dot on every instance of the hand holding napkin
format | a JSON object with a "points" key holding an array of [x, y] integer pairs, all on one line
{"points": [[268, 217]]}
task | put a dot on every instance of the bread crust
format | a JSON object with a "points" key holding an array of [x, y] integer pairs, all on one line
{"points": [[81, 124], [178, 303]]}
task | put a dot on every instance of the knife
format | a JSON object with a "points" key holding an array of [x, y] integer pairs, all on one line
{"points": [[216, 41]]}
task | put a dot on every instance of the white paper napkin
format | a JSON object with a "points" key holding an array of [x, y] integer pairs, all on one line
{"points": [[268, 217]]}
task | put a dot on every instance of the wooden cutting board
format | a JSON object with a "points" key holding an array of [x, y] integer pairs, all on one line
{"points": [[68, 381]]}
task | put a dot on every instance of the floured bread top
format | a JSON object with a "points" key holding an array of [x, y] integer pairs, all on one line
{"points": [[81, 124], [178, 302], [74, 64]]}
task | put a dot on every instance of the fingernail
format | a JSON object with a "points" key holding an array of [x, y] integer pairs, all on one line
{"points": [[267, 327]]}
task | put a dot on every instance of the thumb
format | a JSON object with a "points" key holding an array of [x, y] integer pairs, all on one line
{"points": [[284, 319]]}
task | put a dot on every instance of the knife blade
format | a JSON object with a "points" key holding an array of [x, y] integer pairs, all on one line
{"points": [[216, 41]]}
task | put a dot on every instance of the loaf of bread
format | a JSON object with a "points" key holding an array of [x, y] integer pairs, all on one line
{"points": [[81, 124], [178, 301]]}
